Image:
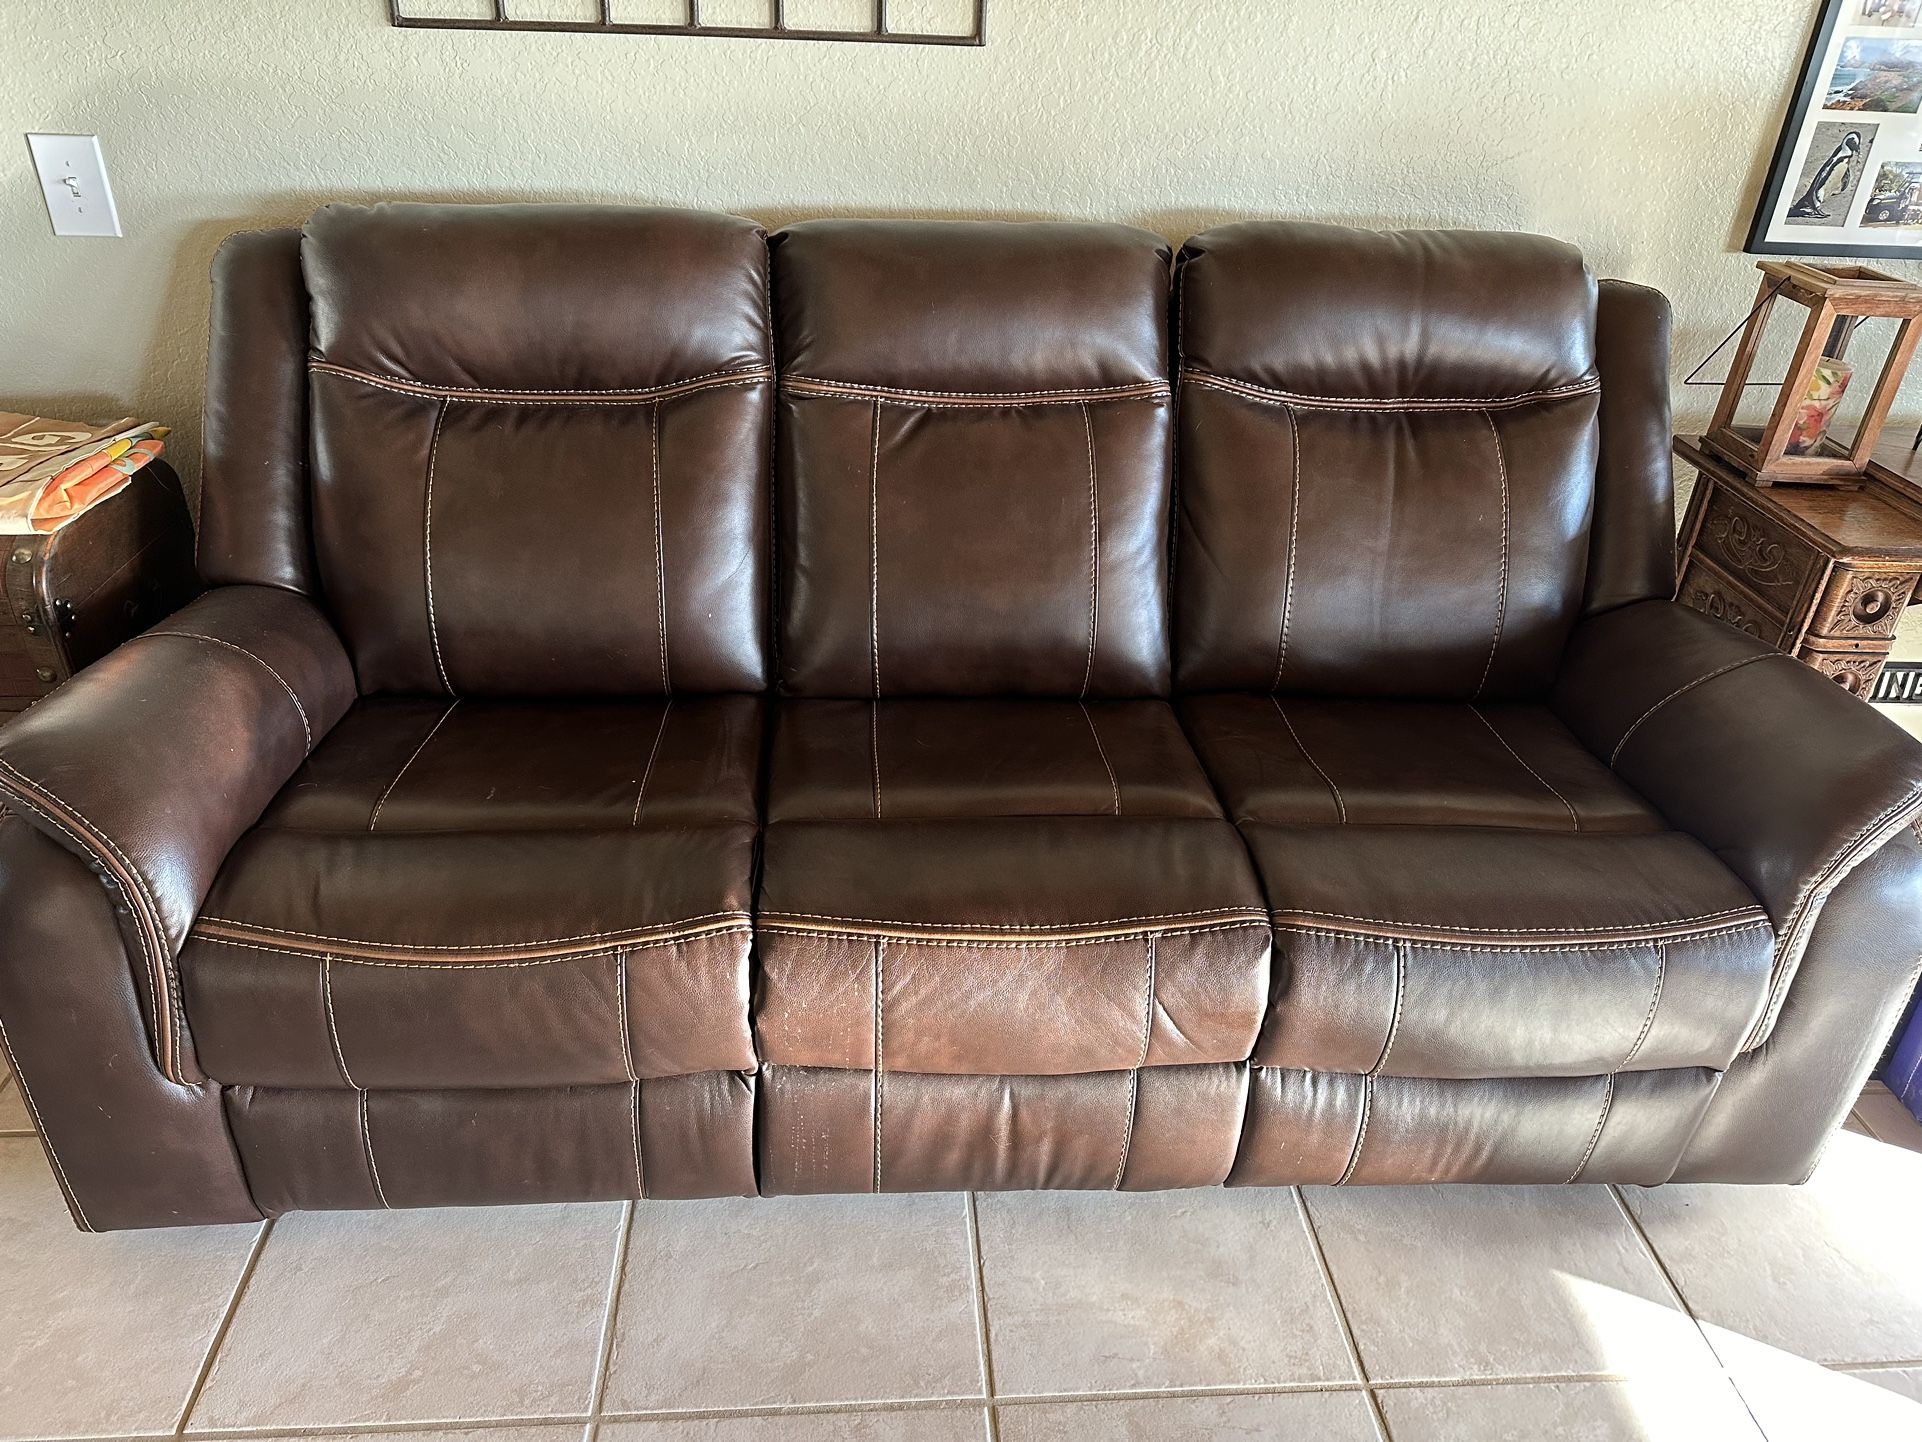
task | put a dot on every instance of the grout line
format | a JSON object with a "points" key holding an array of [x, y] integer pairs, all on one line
{"points": [[1681, 1300], [1909, 1365], [985, 1352], [1341, 1317], [278, 1431], [206, 1369], [610, 1315]]}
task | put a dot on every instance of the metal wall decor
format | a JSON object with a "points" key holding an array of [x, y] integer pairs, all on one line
{"points": [[906, 22]]}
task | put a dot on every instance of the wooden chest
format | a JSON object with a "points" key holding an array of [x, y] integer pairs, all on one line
{"points": [[1822, 573], [73, 596]]}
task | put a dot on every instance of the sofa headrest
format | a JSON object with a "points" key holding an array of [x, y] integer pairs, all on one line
{"points": [[972, 305], [536, 297], [1327, 312]]}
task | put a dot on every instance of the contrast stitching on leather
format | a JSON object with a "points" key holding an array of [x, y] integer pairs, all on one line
{"points": [[1504, 945], [874, 555], [971, 941], [150, 931], [208, 926], [1608, 1101], [1616, 754], [1400, 949], [1269, 395], [1294, 532], [333, 1023], [1113, 785], [367, 1143], [1648, 1022], [907, 396], [1501, 586], [1128, 1126], [39, 1126], [660, 549], [306, 730], [1341, 808], [634, 1122], [1748, 915], [1094, 549], [880, 1055], [1148, 1018], [1361, 1132], [624, 1019], [372, 955], [1237, 913], [1572, 816], [646, 396], [1808, 903], [373, 818], [874, 751], [653, 752], [427, 547]]}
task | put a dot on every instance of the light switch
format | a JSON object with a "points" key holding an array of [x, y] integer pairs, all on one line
{"points": [[73, 178]]}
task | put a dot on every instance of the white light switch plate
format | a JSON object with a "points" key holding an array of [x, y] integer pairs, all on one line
{"points": [[73, 178]]}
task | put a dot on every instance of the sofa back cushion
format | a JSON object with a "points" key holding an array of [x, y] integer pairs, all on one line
{"points": [[974, 459], [540, 447], [1388, 452]]}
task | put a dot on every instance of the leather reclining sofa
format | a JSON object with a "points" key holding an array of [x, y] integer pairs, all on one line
{"points": [[897, 706]]}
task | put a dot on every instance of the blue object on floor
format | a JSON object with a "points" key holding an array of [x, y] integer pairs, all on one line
{"points": [[1904, 1071]]}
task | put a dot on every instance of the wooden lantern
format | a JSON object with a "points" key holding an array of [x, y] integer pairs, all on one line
{"points": [[1795, 444]]}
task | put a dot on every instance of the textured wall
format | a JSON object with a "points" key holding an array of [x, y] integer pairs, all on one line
{"points": [[1638, 129]]}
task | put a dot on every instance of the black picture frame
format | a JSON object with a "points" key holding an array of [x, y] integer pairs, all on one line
{"points": [[1788, 150]]}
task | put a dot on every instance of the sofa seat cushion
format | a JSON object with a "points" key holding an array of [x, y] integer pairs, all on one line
{"points": [[475, 895], [1465, 952], [1000, 887], [1297, 761]]}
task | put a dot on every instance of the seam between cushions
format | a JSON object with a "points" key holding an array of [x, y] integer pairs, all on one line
{"points": [[1242, 914], [1648, 1022], [1361, 1132], [1501, 585], [653, 752], [427, 547], [1094, 550], [1341, 808], [1503, 944], [1572, 814], [1679, 691], [1400, 949], [907, 396], [367, 1145], [644, 396], [1269, 395], [1294, 532], [333, 1024], [1608, 1102], [973, 940], [374, 818], [149, 931], [1746, 915], [1113, 785], [306, 729]]}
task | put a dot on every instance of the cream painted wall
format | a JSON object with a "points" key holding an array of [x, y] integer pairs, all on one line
{"points": [[1637, 128]]}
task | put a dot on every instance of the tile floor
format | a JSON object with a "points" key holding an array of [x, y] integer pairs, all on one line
{"points": [[1411, 1314]]}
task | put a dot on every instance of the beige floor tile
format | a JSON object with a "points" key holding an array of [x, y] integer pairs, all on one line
{"points": [[1853, 1123], [13, 1109], [453, 1315], [960, 1424], [1092, 1292], [1499, 1282], [1796, 1400], [100, 1334], [796, 1300], [1308, 1416], [1698, 1408], [1831, 1271], [1888, 1120], [1904, 1381], [549, 1432]]}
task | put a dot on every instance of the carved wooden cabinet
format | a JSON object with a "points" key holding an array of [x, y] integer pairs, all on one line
{"points": [[1820, 572]]}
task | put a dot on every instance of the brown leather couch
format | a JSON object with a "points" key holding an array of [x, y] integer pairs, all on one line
{"points": [[680, 713]]}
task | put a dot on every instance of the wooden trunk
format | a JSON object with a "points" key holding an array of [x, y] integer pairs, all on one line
{"points": [[73, 596]]}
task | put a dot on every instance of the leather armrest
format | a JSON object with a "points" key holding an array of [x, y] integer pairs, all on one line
{"points": [[150, 764], [1787, 778]]}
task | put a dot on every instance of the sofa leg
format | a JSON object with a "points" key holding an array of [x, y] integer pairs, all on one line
{"points": [[1779, 1105], [128, 1147]]}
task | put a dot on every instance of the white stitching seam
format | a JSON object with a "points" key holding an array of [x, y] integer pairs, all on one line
{"points": [[1679, 691], [427, 547], [660, 551], [1341, 809], [1211, 912], [1128, 1126], [367, 1142], [351, 941], [306, 730], [1501, 591], [1608, 1101], [660, 731], [1294, 532], [1113, 785], [880, 1054], [1506, 947], [907, 396], [1525, 766], [874, 556], [1094, 549], [373, 818], [1401, 994], [1269, 395], [1361, 1132], [650, 395], [1750, 915], [1648, 1022], [482, 962], [20, 1080], [333, 1024], [634, 1122]]}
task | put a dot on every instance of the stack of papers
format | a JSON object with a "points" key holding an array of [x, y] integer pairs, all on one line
{"points": [[52, 471]]}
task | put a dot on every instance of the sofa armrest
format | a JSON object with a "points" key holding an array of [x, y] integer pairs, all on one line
{"points": [[1787, 778], [150, 764]]}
